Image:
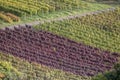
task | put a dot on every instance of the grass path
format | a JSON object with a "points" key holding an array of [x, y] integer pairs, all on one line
{"points": [[34, 23], [89, 7]]}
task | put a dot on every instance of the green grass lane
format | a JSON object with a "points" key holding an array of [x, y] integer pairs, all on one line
{"points": [[87, 7]]}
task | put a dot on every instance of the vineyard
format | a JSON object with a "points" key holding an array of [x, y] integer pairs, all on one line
{"points": [[98, 30], [31, 7], [16, 11], [59, 40], [24, 11], [23, 7], [33, 71]]}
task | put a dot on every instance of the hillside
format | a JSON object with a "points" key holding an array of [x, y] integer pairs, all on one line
{"points": [[59, 40]]}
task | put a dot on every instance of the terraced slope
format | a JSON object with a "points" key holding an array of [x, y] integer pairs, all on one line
{"points": [[55, 51], [100, 30]]}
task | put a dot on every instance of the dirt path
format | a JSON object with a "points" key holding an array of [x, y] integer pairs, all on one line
{"points": [[62, 18]]}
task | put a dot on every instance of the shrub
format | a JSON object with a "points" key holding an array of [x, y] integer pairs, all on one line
{"points": [[111, 75], [5, 18], [12, 16], [8, 72]]}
